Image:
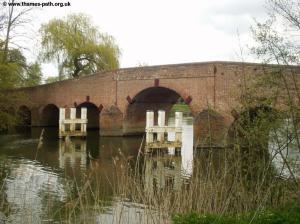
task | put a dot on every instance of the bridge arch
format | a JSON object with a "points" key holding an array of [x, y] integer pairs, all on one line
{"points": [[152, 98], [50, 116], [24, 115], [93, 114]]}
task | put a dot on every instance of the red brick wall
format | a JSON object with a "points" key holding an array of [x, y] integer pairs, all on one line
{"points": [[213, 85]]}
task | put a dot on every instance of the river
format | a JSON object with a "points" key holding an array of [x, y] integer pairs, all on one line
{"points": [[37, 182]]}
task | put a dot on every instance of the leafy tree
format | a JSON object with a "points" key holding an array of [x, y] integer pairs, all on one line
{"points": [[14, 69], [277, 43], [78, 46], [52, 79], [33, 75]]}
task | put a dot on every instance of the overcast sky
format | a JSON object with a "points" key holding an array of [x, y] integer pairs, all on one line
{"points": [[156, 32]]}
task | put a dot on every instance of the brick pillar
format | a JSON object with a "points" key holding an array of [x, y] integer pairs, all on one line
{"points": [[111, 122], [35, 117]]}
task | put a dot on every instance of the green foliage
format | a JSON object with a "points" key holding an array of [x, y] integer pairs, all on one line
{"points": [[287, 215], [52, 79], [8, 115], [78, 46], [33, 75], [14, 72], [194, 218], [181, 107]]}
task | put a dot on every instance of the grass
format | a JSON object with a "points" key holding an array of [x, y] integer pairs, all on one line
{"points": [[289, 214]]}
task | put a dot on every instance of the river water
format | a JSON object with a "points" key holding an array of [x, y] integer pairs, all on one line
{"points": [[31, 176], [36, 183]]}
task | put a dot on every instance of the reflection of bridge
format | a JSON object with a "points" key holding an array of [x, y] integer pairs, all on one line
{"points": [[72, 152], [162, 172], [117, 100]]}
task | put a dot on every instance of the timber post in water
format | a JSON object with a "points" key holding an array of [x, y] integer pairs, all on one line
{"points": [[157, 136], [72, 126]]}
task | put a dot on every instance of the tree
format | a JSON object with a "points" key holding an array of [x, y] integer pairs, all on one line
{"points": [[12, 19], [33, 75], [278, 43], [14, 69], [51, 79], [77, 46]]}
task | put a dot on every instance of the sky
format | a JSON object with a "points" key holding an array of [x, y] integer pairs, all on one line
{"points": [[154, 32]]}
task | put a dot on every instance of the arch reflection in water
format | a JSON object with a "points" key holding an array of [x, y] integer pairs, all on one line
{"points": [[72, 151]]}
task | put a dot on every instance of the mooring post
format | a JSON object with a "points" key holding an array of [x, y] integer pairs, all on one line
{"points": [[72, 117], [149, 124], [62, 117], [83, 116], [161, 123], [178, 124]]}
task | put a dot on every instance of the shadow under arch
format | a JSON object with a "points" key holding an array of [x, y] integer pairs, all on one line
{"points": [[24, 115], [50, 116], [153, 98], [93, 114]]}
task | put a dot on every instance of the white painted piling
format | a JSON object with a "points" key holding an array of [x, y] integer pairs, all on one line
{"points": [[178, 123], [161, 129], [83, 117], [72, 117], [149, 124], [72, 121], [161, 123], [62, 117]]}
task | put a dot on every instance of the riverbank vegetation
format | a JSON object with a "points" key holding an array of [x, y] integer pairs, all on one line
{"points": [[287, 214]]}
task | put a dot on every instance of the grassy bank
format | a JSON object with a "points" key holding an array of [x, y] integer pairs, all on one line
{"points": [[289, 214]]}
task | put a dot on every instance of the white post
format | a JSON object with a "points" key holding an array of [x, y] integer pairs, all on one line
{"points": [[72, 117], [83, 116], [178, 124], [161, 123], [149, 124], [62, 117]]}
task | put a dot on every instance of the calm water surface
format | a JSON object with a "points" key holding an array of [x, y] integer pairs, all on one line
{"points": [[31, 179]]}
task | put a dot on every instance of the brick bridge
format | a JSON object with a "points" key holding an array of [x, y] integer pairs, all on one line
{"points": [[117, 100]]}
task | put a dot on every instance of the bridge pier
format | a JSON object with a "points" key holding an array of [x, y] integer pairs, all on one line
{"points": [[111, 122], [35, 117]]}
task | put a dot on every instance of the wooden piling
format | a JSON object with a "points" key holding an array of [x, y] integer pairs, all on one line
{"points": [[161, 129], [72, 121], [161, 123], [178, 124], [149, 124]]}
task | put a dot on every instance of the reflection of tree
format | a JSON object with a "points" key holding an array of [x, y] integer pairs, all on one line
{"points": [[4, 173], [162, 171], [26, 188]]}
